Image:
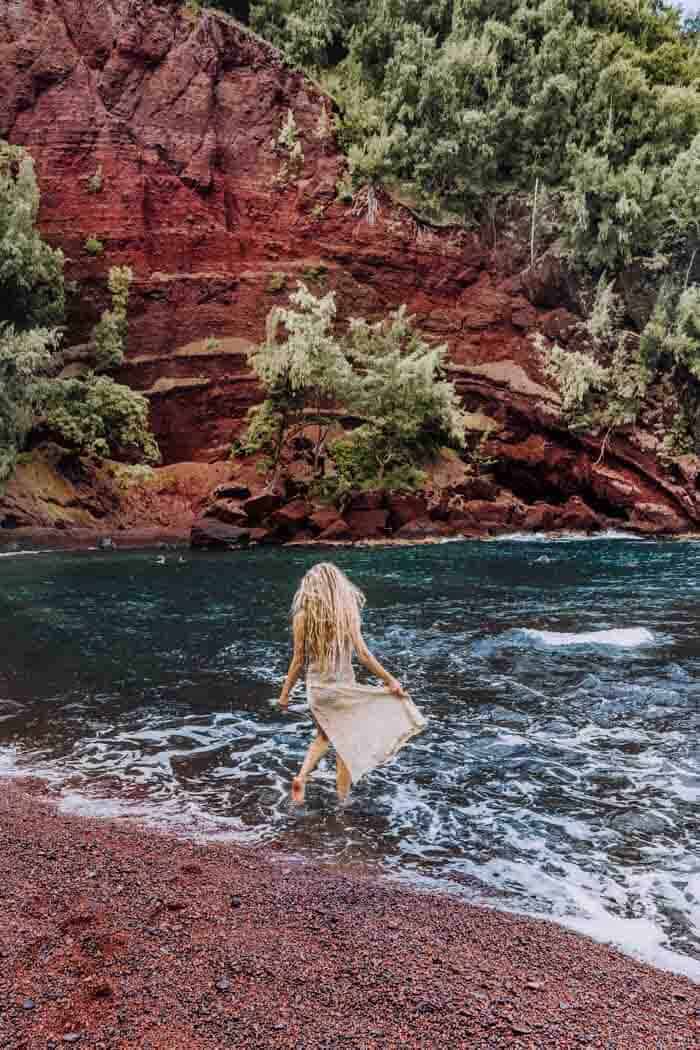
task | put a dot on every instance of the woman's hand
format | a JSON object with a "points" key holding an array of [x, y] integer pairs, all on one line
{"points": [[283, 701], [396, 688]]}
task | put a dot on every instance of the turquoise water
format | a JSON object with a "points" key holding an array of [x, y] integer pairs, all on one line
{"points": [[560, 772]]}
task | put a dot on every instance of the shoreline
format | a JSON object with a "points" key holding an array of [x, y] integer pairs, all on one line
{"points": [[18, 541], [118, 936]]}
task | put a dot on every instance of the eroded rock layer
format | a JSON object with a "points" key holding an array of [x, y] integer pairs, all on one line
{"points": [[154, 131]]}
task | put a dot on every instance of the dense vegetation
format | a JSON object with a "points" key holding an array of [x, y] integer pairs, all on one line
{"points": [[585, 111], [86, 412], [382, 377]]}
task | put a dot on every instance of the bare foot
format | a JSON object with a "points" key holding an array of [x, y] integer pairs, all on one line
{"points": [[298, 789]]}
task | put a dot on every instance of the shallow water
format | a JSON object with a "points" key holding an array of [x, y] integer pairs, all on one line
{"points": [[560, 772]]}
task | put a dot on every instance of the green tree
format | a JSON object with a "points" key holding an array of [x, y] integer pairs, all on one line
{"points": [[26, 357], [303, 372], [109, 334], [408, 408], [384, 376], [90, 413], [31, 272], [96, 416]]}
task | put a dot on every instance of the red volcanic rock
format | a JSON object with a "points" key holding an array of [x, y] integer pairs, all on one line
{"points": [[227, 510], [338, 531], [292, 515], [541, 517], [177, 115], [367, 524], [259, 507], [576, 516], [477, 488], [421, 529], [657, 518], [482, 514], [372, 500], [404, 508], [263, 536], [324, 517], [210, 533]]}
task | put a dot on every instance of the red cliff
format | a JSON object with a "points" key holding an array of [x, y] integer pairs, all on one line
{"points": [[153, 129]]}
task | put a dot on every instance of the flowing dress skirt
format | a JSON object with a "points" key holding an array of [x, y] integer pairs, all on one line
{"points": [[367, 725]]}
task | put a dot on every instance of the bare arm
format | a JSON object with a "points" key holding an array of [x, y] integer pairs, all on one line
{"points": [[374, 667], [297, 663]]}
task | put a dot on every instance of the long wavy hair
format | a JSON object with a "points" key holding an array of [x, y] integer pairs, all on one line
{"points": [[331, 605]]}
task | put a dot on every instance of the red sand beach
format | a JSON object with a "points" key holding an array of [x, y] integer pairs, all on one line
{"points": [[114, 936]]}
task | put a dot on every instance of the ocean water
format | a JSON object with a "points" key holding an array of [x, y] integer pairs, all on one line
{"points": [[560, 771]]}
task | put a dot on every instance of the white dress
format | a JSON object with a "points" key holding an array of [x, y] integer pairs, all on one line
{"points": [[366, 724]]}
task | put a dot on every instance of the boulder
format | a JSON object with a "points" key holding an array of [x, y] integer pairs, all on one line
{"points": [[658, 518], [404, 508], [292, 515], [373, 499], [323, 517], [229, 490], [577, 516], [303, 536], [368, 524], [337, 532], [485, 515], [257, 508], [477, 488], [228, 511], [208, 533], [263, 536], [440, 509], [421, 529], [541, 517]]}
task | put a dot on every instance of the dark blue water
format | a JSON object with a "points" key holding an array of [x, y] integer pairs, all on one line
{"points": [[560, 773]]}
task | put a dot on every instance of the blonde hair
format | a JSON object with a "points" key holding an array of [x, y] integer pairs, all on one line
{"points": [[331, 606]]}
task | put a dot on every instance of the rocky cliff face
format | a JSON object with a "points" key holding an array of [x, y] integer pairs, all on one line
{"points": [[153, 130]]}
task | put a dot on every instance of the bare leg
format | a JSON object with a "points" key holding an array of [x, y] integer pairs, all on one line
{"points": [[317, 749], [343, 780]]}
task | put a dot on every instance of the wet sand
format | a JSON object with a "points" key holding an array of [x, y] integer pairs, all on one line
{"points": [[114, 936]]}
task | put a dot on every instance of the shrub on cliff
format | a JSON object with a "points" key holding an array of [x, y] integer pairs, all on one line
{"points": [[383, 376], [90, 413], [408, 409], [25, 357], [605, 386], [303, 371], [31, 272], [467, 98], [96, 416]]}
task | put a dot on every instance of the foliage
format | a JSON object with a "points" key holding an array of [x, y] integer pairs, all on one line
{"points": [[99, 417], [384, 376], [302, 374], [94, 246], [468, 98], [31, 272], [408, 410], [25, 358], [604, 386], [110, 331], [95, 181], [276, 282], [90, 414], [670, 343]]}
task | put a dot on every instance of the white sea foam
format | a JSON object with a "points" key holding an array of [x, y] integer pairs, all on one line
{"points": [[20, 554], [561, 537], [621, 637]]}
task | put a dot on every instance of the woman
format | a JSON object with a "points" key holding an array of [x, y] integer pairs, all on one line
{"points": [[365, 724]]}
